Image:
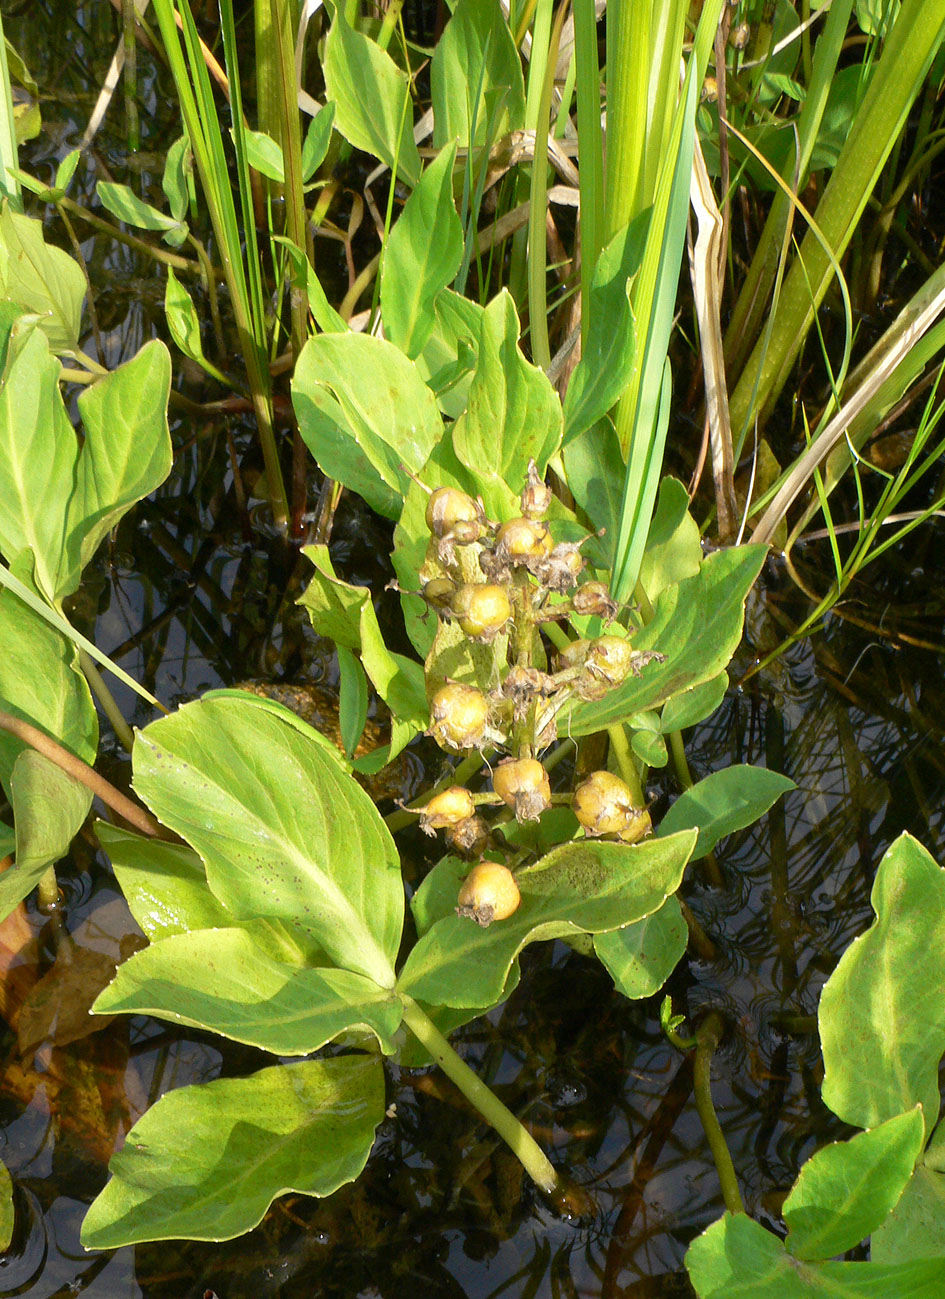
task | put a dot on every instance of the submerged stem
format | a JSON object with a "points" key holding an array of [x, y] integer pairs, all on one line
{"points": [[522, 1144]]}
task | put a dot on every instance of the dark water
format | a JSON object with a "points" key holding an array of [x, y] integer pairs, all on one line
{"points": [[193, 592]]}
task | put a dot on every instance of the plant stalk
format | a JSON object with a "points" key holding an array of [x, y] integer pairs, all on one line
{"points": [[708, 1036], [522, 1144]]}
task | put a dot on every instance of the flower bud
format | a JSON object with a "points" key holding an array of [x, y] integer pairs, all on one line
{"points": [[604, 805], [458, 716], [573, 655], [488, 893], [448, 808], [522, 784], [481, 609], [448, 507], [536, 497]]}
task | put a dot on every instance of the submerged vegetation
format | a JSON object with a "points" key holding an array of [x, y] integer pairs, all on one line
{"points": [[588, 249]]}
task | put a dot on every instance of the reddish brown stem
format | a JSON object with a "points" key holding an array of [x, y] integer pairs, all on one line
{"points": [[131, 812]]}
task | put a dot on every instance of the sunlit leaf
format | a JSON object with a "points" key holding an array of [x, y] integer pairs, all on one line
{"points": [[283, 830], [881, 1015], [723, 802], [583, 887], [641, 957], [476, 53], [221, 980], [422, 256], [206, 1162], [846, 1189], [42, 279]]}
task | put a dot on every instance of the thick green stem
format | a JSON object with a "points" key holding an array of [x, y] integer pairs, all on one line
{"points": [[524, 1146], [707, 1039], [620, 746]]}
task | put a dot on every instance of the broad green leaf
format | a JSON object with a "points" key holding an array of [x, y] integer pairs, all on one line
{"points": [[692, 706], [178, 178], [37, 456], [596, 474], [317, 139], [476, 70], [422, 256], [649, 747], [165, 886], [40, 683], [284, 832], [881, 1015], [124, 204], [367, 435], [673, 543], [41, 279], [737, 1259], [642, 956], [206, 1162], [126, 453], [352, 699], [697, 624], [7, 840], [60, 500], [724, 802], [916, 1226], [372, 98], [346, 615], [264, 155], [577, 888], [846, 1189], [513, 414], [604, 369], [184, 323], [221, 980], [49, 808], [448, 358], [302, 275]]}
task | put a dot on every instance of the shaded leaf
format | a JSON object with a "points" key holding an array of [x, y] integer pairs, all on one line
{"points": [[695, 705], [206, 1162], [916, 1226], [317, 139], [365, 435], [49, 808], [42, 279]]}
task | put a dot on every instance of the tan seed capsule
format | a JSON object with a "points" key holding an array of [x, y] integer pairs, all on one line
{"points": [[448, 507], [448, 808], [610, 659], [488, 893], [482, 609], [458, 716], [637, 828], [522, 784], [523, 541], [470, 838], [604, 805]]}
